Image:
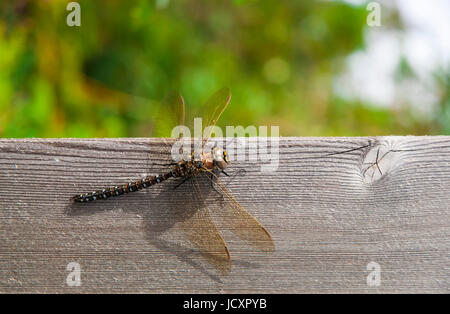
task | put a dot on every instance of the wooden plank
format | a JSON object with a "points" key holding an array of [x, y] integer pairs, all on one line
{"points": [[329, 216]]}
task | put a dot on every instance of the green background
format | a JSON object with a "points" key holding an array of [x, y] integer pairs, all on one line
{"points": [[107, 78]]}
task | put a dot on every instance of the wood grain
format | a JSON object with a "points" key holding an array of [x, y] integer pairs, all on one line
{"points": [[330, 215]]}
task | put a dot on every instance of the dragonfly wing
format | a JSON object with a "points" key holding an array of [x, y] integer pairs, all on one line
{"points": [[238, 220], [170, 113], [214, 107], [202, 231]]}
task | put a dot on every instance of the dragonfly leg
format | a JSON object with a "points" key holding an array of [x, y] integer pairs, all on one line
{"points": [[168, 165], [213, 185], [183, 181], [242, 170], [232, 178]]}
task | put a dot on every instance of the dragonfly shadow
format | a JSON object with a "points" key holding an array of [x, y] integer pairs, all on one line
{"points": [[187, 209], [165, 227], [162, 208]]}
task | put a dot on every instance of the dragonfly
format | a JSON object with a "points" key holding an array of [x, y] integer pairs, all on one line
{"points": [[200, 228]]}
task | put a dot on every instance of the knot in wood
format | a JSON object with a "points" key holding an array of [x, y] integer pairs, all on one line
{"points": [[379, 161]]}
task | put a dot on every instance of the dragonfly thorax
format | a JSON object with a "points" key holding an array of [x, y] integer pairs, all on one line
{"points": [[220, 157], [217, 157]]}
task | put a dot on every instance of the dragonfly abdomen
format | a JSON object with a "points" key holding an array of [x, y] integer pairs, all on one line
{"points": [[127, 188]]}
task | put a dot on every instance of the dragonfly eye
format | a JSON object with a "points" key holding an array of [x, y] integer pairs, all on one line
{"points": [[219, 158], [225, 157]]}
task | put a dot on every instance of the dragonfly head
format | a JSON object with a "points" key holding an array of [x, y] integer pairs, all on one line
{"points": [[220, 157]]}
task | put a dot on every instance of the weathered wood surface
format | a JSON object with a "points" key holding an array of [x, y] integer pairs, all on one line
{"points": [[328, 215]]}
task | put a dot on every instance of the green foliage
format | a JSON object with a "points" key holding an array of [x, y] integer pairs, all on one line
{"points": [[107, 77]]}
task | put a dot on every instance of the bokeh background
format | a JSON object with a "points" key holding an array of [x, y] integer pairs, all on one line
{"points": [[314, 68]]}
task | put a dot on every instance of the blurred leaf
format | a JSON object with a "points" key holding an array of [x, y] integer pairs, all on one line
{"points": [[107, 77]]}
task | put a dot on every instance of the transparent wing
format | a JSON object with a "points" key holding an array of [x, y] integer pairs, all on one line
{"points": [[239, 221], [202, 231], [213, 109], [170, 113]]}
